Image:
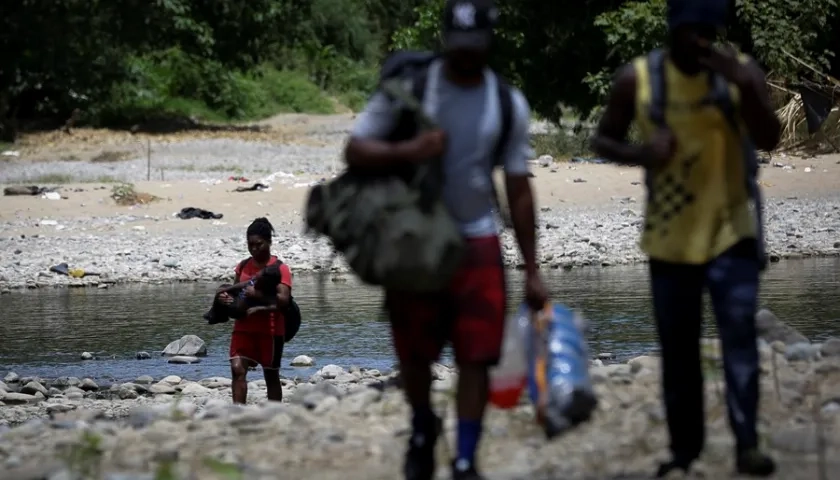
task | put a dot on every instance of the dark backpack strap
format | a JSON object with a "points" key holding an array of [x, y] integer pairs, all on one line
{"points": [[721, 96], [506, 113], [658, 86], [506, 109]]}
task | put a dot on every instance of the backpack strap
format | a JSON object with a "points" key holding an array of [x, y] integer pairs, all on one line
{"points": [[506, 115], [506, 110], [658, 86]]}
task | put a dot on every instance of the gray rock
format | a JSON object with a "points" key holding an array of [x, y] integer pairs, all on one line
{"points": [[771, 329], [802, 352], [162, 388], [144, 380], [831, 347], [59, 408], [127, 391], [66, 382], [88, 385], [19, 399], [644, 362], [183, 360], [217, 382], [188, 345], [11, 377], [32, 388], [331, 371], [142, 356], [195, 389], [302, 361], [86, 356]]}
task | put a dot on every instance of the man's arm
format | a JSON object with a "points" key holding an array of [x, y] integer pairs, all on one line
{"points": [[518, 184], [764, 126], [367, 147], [610, 140]]}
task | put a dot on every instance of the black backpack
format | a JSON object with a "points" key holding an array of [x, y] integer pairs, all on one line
{"points": [[719, 96], [413, 66], [291, 313]]}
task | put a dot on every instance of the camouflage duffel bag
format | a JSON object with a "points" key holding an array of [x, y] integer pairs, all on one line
{"points": [[387, 232]]}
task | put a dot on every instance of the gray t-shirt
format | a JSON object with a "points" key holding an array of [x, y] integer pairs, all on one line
{"points": [[471, 118]]}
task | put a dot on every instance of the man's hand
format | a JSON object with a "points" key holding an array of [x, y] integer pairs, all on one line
{"points": [[535, 293], [254, 310], [428, 144], [723, 60], [251, 292], [661, 147]]}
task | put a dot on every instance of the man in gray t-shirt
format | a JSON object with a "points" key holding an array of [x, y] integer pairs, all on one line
{"points": [[462, 96]]}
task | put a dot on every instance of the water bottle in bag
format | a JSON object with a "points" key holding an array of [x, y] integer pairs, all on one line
{"points": [[508, 378], [559, 382]]}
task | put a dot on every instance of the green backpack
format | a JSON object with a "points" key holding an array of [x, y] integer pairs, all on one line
{"points": [[392, 228]]}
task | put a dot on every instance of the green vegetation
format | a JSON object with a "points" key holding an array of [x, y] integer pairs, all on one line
{"points": [[123, 63]]}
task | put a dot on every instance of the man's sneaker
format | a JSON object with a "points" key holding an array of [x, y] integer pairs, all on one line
{"points": [[667, 468], [464, 470], [755, 464], [420, 457]]}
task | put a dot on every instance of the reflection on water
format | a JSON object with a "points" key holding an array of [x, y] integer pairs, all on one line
{"points": [[44, 331]]}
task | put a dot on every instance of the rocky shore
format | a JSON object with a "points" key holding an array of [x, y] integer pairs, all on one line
{"points": [[352, 424], [590, 214], [569, 237]]}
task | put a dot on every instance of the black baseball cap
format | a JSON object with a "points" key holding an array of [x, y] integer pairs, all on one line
{"points": [[469, 23]]}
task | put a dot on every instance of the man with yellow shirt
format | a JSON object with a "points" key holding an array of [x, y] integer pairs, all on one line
{"points": [[701, 111]]}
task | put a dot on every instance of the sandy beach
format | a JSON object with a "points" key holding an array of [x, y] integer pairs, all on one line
{"points": [[589, 213]]}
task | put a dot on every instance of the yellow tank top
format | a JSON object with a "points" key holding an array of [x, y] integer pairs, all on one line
{"points": [[698, 205]]}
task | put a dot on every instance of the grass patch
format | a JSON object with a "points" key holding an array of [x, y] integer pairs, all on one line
{"points": [[111, 157], [60, 178], [562, 145], [125, 195], [106, 179]]}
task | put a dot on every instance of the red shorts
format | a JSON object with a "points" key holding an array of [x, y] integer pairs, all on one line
{"points": [[257, 349], [470, 313]]}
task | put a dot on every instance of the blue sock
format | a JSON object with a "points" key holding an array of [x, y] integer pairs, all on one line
{"points": [[423, 419], [469, 432]]}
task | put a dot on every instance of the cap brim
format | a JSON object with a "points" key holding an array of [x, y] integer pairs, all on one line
{"points": [[475, 39]]}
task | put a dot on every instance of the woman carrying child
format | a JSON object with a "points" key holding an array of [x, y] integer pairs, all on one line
{"points": [[258, 338]]}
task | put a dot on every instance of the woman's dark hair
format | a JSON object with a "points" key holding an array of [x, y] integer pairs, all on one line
{"points": [[262, 228]]}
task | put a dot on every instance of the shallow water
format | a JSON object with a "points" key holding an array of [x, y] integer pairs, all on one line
{"points": [[43, 332]]}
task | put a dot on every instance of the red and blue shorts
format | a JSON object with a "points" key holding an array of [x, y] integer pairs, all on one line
{"points": [[470, 313]]}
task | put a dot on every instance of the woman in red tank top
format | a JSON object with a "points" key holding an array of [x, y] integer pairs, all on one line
{"points": [[257, 339]]}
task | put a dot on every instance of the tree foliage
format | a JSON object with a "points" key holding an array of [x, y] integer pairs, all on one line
{"points": [[565, 52], [117, 59]]}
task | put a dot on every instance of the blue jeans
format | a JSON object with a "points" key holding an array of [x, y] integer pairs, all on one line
{"points": [[732, 281]]}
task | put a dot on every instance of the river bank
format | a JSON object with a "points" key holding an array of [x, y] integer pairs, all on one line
{"points": [[340, 417], [141, 249], [589, 213]]}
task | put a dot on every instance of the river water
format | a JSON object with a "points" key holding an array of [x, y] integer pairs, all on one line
{"points": [[43, 332]]}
